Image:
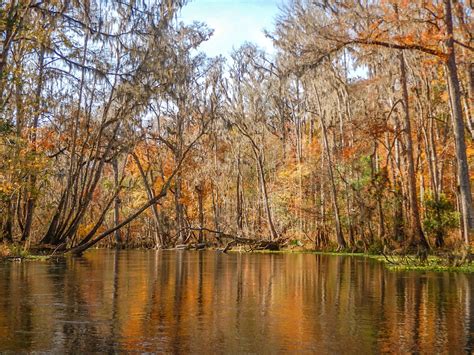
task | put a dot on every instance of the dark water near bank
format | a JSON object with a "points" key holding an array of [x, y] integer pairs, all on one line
{"points": [[204, 302]]}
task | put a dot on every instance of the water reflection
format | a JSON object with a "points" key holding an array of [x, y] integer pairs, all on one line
{"points": [[197, 301]]}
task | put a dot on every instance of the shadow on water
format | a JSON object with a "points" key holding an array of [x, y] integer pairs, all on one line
{"points": [[185, 302]]}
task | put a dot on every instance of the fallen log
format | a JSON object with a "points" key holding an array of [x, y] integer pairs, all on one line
{"points": [[236, 240]]}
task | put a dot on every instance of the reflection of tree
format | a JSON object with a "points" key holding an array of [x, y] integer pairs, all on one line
{"points": [[179, 295], [197, 301], [76, 329], [114, 324], [10, 319]]}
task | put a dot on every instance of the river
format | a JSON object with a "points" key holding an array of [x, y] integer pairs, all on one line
{"points": [[203, 302]]}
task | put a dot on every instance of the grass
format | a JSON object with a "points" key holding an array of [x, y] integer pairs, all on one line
{"points": [[433, 263], [14, 252]]}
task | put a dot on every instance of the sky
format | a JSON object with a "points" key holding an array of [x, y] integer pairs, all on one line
{"points": [[234, 22]]}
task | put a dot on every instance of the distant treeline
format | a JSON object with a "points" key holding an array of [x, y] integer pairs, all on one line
{"points": [[355, 134]]}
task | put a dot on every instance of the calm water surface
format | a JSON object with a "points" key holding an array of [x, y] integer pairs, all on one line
{"points": [[202, 302]]}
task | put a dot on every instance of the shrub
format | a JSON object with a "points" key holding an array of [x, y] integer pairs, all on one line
{"points": [[440, 217]]}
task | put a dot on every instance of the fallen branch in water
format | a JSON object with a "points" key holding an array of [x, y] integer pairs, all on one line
{"points": [[254, 244]]}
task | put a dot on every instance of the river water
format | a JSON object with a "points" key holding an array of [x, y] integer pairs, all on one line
{"points": [[204, 302]]}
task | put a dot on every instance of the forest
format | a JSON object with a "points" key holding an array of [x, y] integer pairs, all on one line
{"points": [[355, 134]]}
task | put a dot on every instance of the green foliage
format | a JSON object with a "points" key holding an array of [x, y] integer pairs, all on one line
{"points": [[375, 248], [5, 127], [17, 161], [296, 243], [373, 182], [363, 165], [440, 216], [13, 251]]}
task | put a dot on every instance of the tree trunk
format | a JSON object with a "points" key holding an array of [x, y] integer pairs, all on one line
{"points": [[263, 182], [157, 235], [200, 193], [6, 233], [179, 209], [239, 198], [417, 236], [117, 202], [31, 194], [339, 235], [458, 125]]}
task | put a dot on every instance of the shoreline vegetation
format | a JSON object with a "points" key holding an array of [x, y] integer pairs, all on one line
{"points": [[394, 263], [355, 134]]}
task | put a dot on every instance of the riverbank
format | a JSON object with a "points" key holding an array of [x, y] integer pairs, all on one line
{"points": [[394, 263], [13, 252]]}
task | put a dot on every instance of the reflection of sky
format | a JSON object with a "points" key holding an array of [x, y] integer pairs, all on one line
{"points": [[234, 22]]}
